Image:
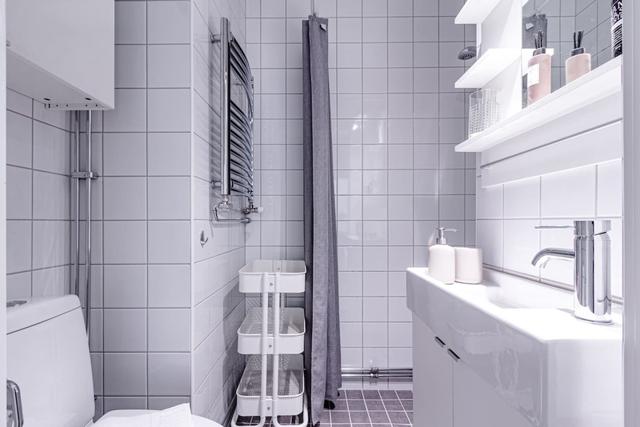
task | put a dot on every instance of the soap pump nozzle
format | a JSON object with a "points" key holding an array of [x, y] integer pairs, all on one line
{"points": [[441, 239]]}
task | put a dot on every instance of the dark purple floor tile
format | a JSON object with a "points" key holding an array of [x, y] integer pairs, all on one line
{"points": [[341, 405], [398, 417], [359, 417], [374, 405], [340, 417], [388, 394], [371, 394], [354, 394], [405, 394], [407, 404], [357, 405], [379, 417], [393, 405]]}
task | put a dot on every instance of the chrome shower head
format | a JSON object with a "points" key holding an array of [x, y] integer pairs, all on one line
{"points": [[467, 53]]}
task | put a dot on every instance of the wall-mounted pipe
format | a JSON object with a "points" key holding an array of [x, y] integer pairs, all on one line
{"points": [[376, 373]]}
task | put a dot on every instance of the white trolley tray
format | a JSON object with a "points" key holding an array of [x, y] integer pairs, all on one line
{"points": [[291, 276], [290, 399], [292, 329]]}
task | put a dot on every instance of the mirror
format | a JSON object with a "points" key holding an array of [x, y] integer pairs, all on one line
{"points": [[558, 20]]}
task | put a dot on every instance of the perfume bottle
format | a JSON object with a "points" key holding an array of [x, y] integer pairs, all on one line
{"points": [[539, 74], [579, 63], [616, 27]]}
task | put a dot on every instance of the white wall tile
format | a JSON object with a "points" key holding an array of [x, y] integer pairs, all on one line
{"points": [[168, 22], [19, 193], [169, 110], [131, 114], [125, 374], [125, 242], [169, 242], [609, 189], [125, 330], [569, 194], [169, 374], [125, 286], [124, 154], [169, 66], [168, 198], [125, 198], [169, 329], [130, 22]]}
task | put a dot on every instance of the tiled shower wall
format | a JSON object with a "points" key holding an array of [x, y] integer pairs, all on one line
{"points": [[140, 342], [396, 118], [164, 308], [38, 199]]}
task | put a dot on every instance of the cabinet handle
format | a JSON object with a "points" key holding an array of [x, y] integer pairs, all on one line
{"points": [[439, 341], [453, 355]]}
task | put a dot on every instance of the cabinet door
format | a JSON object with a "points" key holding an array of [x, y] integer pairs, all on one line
{"points": [[478, 405], [432, 379]]}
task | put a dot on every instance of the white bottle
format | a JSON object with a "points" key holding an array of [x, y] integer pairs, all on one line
{"points": [[442, 258]]}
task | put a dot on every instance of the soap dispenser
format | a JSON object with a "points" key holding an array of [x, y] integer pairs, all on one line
{"points": [[442, 258]]}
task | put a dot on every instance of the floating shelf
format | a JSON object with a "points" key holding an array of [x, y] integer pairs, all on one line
{"points": [[292, 329], [476, 11], [593, 100], [488, 66]]}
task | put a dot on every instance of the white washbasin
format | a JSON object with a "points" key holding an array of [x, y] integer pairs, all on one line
{"points": [[521, 337]]}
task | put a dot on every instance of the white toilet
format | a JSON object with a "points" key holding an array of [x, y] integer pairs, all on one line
{"points": [[48, 358]]}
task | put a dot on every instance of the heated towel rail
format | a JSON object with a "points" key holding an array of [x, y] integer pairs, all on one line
{"points": [[236, 124]]}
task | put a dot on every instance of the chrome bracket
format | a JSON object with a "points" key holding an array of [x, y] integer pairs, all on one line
{"points": [[85, 175]]}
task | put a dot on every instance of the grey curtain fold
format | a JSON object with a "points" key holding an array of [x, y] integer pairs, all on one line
{"points": [[322, 350]]}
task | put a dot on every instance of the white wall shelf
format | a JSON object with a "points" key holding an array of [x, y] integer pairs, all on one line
{"points": [[488, 66], [586, 103], [475, 11]]}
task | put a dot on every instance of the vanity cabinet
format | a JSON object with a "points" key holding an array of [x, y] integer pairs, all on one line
{"points": [[447, 393], [432, 384]]}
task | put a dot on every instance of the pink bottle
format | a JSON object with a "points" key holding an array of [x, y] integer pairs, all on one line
{"points": [[579, 63], [539, 74]]}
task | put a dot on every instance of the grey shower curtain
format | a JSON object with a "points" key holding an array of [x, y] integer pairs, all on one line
{"points": [[322, 350]]}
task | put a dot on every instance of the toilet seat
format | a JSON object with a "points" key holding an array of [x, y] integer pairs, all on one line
{"points": [[197, 421]]}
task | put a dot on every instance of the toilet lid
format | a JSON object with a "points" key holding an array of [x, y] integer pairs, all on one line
{"points": [[197, 421]]}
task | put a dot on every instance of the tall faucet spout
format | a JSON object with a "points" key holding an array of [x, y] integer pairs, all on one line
{"points": [[553, 252]]}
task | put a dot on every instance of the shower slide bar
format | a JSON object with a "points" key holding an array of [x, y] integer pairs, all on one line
{"points": [[88, 176]]}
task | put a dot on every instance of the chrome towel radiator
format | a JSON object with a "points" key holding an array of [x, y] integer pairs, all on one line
{"points": [[236, 127]]}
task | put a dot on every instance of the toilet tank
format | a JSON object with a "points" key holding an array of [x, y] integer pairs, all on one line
{"points": [[48, 357]]}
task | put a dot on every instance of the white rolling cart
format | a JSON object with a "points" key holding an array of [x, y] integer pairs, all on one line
{"points": [[273, 381]]}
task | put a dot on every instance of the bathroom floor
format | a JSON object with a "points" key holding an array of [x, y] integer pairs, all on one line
{"points": [[365, 408]]}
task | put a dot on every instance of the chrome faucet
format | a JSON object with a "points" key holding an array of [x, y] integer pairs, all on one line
{"points": [[592, 268]]}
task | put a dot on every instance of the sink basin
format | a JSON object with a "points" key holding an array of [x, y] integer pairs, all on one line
{"points": [[522, 339]]}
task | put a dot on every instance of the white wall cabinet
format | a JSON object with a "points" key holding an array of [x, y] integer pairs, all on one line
{"points": [[447, 393], [62, 52]]}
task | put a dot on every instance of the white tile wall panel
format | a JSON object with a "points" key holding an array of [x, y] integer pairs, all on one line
{"points": [[390, 174]]}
